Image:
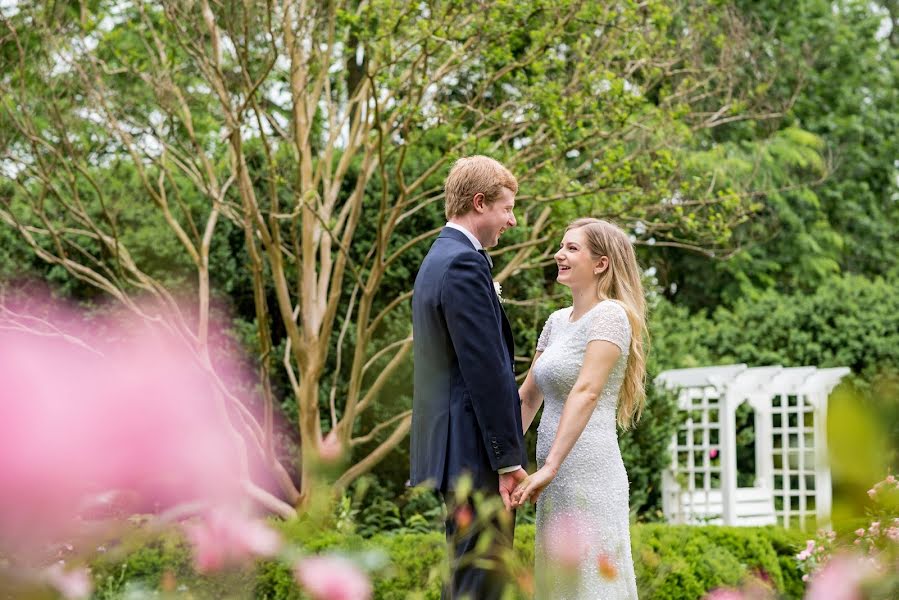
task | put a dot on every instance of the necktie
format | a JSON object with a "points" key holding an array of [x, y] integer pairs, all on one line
{"points": [[487, 256]]}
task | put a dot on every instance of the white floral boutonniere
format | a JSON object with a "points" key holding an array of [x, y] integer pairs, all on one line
{"points": [[498, 289]]}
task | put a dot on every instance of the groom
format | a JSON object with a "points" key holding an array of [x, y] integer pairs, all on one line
{"points": [[466, 414]]}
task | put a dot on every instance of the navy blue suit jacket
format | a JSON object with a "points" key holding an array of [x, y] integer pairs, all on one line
{"points": [[466, 413]]}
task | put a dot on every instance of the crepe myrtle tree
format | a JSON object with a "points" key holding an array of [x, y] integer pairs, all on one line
{"points": [[299, 122]]}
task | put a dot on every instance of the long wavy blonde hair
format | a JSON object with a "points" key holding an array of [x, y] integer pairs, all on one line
{"points": [[621, 282]]}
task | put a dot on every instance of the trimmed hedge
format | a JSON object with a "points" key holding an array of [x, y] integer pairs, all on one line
{"points": [[672, 562], [679, 562]]}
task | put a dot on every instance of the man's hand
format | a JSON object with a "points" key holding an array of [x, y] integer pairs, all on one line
{"points": [[507, 483]]}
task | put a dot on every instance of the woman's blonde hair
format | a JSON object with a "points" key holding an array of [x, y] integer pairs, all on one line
{"points": [[621, 282]]}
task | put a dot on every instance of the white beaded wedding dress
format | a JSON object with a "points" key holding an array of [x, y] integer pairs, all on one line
{"points": [[582, 515]]}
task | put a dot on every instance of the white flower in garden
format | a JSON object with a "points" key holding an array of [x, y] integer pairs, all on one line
{"points": [[498, 289]]}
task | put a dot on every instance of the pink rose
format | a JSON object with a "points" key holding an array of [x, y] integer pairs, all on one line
{"points": [[809, 549], [893, 533], [332, 578]]}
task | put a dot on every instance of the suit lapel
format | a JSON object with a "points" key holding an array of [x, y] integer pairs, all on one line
{"points": [[507, 334], [455, 234]]}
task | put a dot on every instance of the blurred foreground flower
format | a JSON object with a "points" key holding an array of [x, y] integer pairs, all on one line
{"points": [[566, 545], [228, 538], [330, 449], [332, 578], [464, 517], [840, 579], [94, 414], [606, 567], [72, 585], [724, 594]]}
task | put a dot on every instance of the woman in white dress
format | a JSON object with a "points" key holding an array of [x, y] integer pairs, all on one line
{"points": [[589, 371]]}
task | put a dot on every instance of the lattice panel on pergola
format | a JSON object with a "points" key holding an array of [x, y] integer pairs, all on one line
{"points": [[793, 459], [698, 449]]}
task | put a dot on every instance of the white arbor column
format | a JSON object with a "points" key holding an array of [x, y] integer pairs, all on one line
{"points": [[764, 465], [823, 484], [729, 403]]}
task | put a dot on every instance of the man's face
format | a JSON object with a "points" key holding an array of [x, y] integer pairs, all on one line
{"points": [[494, 219]]}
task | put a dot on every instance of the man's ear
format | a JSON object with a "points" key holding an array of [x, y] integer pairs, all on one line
{"points": [[479, 202], [601, 265]]}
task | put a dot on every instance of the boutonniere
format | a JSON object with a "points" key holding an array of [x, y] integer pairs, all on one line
{"points": [[498, 289]]}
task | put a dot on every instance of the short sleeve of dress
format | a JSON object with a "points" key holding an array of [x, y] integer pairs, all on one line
{"points": [[543, 340], [609, 323]]}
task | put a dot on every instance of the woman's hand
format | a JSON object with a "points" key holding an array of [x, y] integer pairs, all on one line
{"points": [[532, 486]]}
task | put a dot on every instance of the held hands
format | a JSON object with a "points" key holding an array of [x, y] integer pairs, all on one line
{"points": [[507, 483], [532, 486]]}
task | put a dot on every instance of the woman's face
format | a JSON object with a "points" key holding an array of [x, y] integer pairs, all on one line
{"points": [[577, 268]]}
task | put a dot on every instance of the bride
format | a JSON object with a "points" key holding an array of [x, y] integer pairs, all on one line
{"points": [[589, 370]]}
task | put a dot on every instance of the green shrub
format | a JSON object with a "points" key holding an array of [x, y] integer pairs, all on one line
{"points": [[684, 562], [849, 321], [122, 571], [672, 562]]}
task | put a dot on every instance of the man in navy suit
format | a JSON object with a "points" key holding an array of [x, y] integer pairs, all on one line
{"points": [[466, 413]]}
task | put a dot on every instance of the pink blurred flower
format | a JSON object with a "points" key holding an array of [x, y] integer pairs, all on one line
{"points": [[73, 584], [839, 579], [724, 594], [225, 538], [332, 578], [566, 544], [893, 533], [109, 409], [330, 449], [713, 453], [872, 492], [860, 532], [809, 548], [890, 479]]}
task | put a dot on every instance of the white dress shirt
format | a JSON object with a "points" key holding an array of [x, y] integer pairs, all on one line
{"points": [[471, 238]]}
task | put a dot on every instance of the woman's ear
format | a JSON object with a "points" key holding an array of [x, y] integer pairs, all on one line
{"points": [[601, 265]]}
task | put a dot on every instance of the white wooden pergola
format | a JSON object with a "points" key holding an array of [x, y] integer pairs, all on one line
{"points": [[792, 480]]}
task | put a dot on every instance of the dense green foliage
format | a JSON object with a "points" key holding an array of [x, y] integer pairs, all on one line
{"points": [[673, 562], [848, 321], [840, 75]]}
